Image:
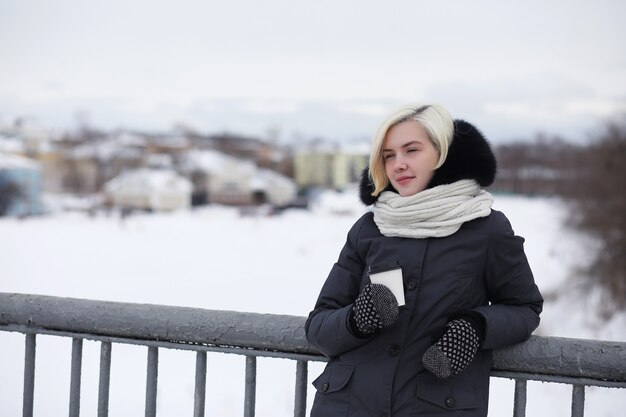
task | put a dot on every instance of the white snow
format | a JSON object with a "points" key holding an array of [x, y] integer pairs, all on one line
{"points": [[216, 162], [11, 144], [147, 180], [231, 175], [212, 258], [122, 146], [8, 161]]}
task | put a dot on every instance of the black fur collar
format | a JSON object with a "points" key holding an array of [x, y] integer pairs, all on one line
{"points": [[469, 157]]}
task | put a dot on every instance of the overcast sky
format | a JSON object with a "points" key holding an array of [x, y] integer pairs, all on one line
{"points": [[313, 68]]}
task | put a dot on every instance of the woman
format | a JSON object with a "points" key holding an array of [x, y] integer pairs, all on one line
{"points": [[467, 285]]}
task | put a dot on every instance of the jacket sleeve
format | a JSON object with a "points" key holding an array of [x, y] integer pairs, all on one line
{"points": [[515, 300], [327, 327]]}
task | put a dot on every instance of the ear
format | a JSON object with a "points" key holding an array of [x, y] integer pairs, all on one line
{"points": [[469, 157]]}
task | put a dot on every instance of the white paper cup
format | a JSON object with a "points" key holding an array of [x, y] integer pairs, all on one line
{"points": [[392, 279]]}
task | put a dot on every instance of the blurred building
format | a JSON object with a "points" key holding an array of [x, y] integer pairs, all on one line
{"points": [[150, 190], [222, 179], [271, 187], [27, 140], [88, 165], [329, 166], [20, 186]]}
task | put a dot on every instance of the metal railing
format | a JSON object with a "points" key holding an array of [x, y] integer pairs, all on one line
{"points": [[576, 362]]}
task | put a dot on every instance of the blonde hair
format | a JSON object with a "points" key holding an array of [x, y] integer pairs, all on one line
{"points": [[436, 121]]}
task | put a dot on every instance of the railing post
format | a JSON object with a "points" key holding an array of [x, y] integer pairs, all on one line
{"points": [[519, 399], [301, 385], [105, 377], [29, 375], [151, 383], [578, 400], [250, 393], [77, 359], [200, 390]]}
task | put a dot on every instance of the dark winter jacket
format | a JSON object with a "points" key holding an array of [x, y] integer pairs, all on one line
{"points": [[480, 270]]}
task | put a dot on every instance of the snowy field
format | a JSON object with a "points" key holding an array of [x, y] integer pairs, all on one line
{"points": [[213, 258]]}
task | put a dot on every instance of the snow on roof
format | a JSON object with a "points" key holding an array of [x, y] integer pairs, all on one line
{"points": [[265, 179], [128, 139], [17, 162], [160, 160], [172, 141], [11, 144], [212, 161], [106, 149], [33, 131], [146, 180], [117, 145]]}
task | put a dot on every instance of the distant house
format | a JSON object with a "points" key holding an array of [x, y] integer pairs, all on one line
{"points": [[149, 189], [39, 145], [331, 166], [88, 166], [223, 179], [20, 186], [274, 188]]}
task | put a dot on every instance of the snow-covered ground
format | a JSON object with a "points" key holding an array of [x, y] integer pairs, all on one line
{"points": [[213, 258]]}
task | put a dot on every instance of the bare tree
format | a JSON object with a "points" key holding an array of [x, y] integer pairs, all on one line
{"points": [[599, 205], [542, 166]]}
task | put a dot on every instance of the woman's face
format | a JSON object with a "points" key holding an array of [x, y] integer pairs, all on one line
{"points": [[410, 157]]}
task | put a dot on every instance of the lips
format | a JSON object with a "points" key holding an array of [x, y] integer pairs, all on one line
{"points": [[404, 180]]}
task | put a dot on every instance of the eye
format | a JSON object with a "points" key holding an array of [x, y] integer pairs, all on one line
{"points": [[388, 156], [412, 150]]}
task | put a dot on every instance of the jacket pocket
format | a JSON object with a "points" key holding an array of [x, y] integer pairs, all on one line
{"points": [[463, 291], [333, 394], [434, 395]]}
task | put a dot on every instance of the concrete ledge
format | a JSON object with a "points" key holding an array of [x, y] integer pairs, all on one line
{"points": [[575, 358]]}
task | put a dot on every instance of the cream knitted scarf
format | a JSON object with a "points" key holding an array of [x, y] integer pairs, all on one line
{"points": [[436, 212]]}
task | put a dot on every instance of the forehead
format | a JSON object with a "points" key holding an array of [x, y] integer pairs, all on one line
{"points": [[403, 133]]}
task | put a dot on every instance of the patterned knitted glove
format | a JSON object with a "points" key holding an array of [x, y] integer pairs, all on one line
{"points": [[375, 308], [454, 350]]}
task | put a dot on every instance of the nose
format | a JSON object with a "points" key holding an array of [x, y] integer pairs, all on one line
{"points": [[398, 164]]}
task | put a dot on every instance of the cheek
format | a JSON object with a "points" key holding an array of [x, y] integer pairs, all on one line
{"points": [[429, 162], [388, 168], [435, 160]]}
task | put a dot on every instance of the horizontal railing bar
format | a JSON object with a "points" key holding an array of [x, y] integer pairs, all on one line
{"points": [[318, 358], [128, 320], [254, 334], [168, 344], [558, 379], [595, 359], [298, 357]]}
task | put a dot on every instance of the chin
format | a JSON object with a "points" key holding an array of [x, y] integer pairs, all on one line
{"points": [[408, 189], [411, 191], [407, 193]]}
